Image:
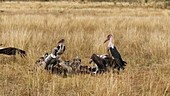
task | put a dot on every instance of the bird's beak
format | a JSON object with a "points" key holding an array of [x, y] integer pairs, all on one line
{"points": [[106, 40], [90, 61]]}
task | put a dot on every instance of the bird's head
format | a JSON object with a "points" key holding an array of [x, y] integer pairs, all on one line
{"points": [[61, 41], [108, 38]]}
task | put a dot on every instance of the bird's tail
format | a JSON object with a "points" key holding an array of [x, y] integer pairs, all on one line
{"points": [[124, 62]]}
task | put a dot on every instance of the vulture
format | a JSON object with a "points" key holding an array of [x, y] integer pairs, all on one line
{"points": [[12, 51]]}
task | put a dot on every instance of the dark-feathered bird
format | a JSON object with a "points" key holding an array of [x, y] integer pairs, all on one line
{"points": [[51, 59], [12, 51], [101, 64], [115, 53], [59, 49]]}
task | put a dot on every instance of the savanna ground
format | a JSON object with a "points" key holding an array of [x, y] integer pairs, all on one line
{"points": [[142, 36]]}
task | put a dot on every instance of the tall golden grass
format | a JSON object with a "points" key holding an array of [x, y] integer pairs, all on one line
{"points": [[141, 35]]}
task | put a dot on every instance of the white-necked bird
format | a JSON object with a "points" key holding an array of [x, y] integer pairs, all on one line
{"points": [[114, 52], [56, 51]]}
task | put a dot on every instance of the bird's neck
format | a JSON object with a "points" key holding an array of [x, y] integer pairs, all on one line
{"points": [[110, 44], [61, 44]]}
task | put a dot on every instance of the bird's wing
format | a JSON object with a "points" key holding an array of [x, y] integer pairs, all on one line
{"points": [[114, 52]]}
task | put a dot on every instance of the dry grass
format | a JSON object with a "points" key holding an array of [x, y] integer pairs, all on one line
{"points": [[141, 35]]}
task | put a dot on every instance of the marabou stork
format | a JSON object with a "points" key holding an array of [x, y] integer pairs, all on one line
{"points": [[52, 58], [60, 48], [115, 53]]}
